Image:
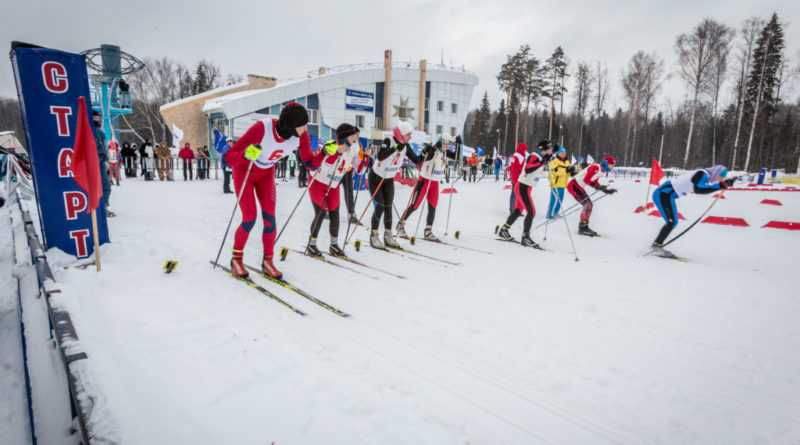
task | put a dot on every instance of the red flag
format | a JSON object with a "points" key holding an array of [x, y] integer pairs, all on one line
{"points": [[656, 174], [85, 164]]}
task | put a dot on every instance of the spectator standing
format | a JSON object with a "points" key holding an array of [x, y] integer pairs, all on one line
{"points": [[292, 164], [129, 159], [226, 168], [186, 154], [302, 175], [149, 161], [164, 156], [201, 163]]}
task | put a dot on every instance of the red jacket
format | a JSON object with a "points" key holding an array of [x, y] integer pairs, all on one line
{"points": [[517, 160], [186, 153]]}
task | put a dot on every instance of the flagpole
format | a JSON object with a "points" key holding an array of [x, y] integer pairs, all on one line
{"points": [[96, 240]]}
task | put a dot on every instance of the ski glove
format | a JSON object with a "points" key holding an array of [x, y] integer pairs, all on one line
{"points": [[728, 182], [331, 147], [610, 191], [252, 152]]}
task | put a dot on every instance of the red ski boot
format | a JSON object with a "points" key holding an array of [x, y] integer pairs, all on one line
{"points": [[270, 268], [237, 264]]}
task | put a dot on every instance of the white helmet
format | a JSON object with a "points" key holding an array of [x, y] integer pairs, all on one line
{"points": [[403, 128], [445, 138]]}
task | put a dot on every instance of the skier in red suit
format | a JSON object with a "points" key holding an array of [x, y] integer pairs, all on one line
{"points": [[253, 156]]}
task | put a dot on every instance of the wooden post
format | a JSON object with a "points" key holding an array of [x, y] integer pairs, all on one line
{"points": [[96, 240]]}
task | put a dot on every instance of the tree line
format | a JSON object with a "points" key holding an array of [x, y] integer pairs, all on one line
{"points": [[755, 126], [162, 80]]}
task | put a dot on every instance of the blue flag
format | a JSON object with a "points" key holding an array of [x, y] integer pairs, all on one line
{"points": [[580, 159], [221, 145], [479, 150], [417, 148]]}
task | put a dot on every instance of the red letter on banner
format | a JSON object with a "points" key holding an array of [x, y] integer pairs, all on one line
{"points": [[55, 77], [80, 237], [74, 202], [65, 163], [61, 118]]}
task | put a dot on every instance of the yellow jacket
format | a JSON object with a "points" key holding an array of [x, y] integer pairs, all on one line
{"points": [[559, 175]]}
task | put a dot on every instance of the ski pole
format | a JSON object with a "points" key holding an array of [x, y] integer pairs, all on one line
{"points": [[347, 239], [321, 210], [574, 208], [238, 197], [422, 196], [452, 189], [719, 195], [302, 195], [355, 201], [569, 233]]}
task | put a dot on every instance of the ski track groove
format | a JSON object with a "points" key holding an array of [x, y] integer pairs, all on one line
{"points": [[598, 349]]}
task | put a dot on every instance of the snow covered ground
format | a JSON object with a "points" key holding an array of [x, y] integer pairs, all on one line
{"points": [[514, 347]]}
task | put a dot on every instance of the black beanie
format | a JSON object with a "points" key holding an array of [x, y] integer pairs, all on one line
{"points": [[345, 130], [292, 116], [543, 144]]}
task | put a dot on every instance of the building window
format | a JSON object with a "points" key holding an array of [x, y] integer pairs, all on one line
{"points": [[454, 108], [440, 105], [313, 117], [379, 122], [360, 121], [452, 131], [438, 129]]}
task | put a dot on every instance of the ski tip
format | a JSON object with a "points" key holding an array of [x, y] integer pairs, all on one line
{"points": [[496, 228], [284, 252], [412, 240], [458, 232]]}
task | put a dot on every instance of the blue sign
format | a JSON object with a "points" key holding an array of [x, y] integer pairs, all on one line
{"points": [[49, 83], [359, 100]]}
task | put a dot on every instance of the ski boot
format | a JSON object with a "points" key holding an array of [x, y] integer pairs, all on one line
{"points": [[528, 242], [659, 250], [503, 233], [430, 236], [583, 229], [353, 219], [375, 240], [389, 240], [311, 248], [401, 230], [268, 268], [335, 250], [237, 264]]}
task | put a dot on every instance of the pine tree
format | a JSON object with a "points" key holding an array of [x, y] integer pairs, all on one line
{"points": [[497, 129], [481, 126], [763, 78]]}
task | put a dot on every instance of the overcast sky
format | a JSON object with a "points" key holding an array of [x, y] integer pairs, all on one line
{"points": [[286, 39]]}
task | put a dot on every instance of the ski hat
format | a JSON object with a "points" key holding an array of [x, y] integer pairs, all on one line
{"points": [[607, 163], [561, 150], [521, 148], [715, 171], [292, 116], [403, 128], [344, 130], [445, 139], [544, 144]]}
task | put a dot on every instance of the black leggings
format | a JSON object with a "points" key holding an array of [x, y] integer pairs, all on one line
{"points": [[383, 200], [347, 184], [530, 211], [319, 216], [414, 197]]}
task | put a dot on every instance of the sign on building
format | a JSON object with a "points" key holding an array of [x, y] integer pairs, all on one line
{"points": [[359, 100], [49, 83], [242, 123]]}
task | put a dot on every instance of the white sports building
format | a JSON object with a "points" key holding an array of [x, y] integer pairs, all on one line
{"points": [[372, 96]]}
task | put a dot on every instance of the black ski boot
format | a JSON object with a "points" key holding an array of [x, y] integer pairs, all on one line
{"points": [[312, 250], [503, 233], [335, 250], [583, 229], [528, 242]]}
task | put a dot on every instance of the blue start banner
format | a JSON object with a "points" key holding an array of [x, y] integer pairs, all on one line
{"points": [[359, 100], [49, 83]]}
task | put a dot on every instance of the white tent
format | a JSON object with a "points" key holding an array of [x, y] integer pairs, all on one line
{"points": [[8, 140]]}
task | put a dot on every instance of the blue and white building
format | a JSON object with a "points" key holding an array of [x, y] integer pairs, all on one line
{"points": [[373, 96]]}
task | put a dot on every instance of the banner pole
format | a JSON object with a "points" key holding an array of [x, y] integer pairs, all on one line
{"points": [[96, 240]]}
